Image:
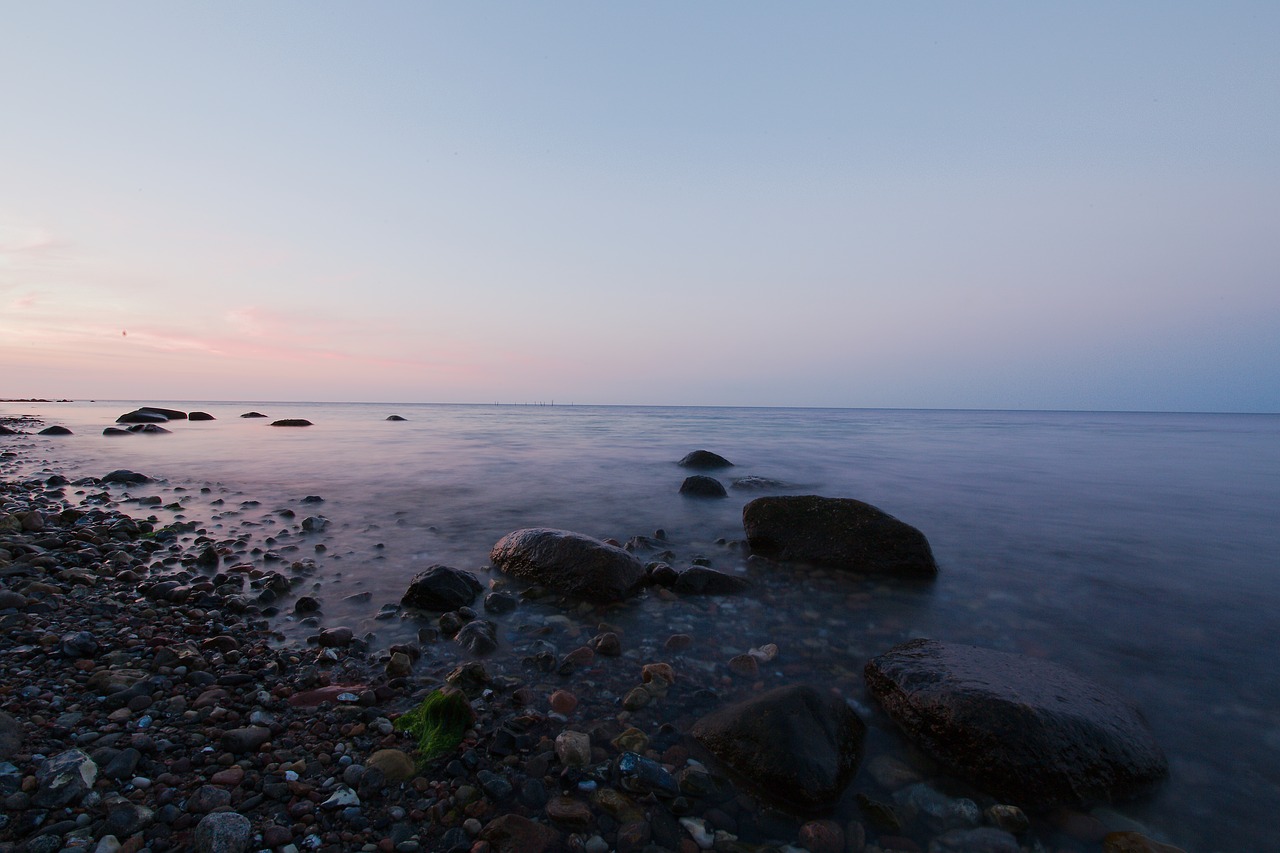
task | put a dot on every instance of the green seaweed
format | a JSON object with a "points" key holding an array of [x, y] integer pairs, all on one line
{"points": [[437, 723]]}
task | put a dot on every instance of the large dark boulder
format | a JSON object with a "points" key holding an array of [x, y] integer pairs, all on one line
{"points": [[126, 477], [143, 416], [1025, 730], [704, 460], [838, 532], [171, 414], [148, 429], [55, 430], [253, 415], [570, 563], [797, 746], [292, 422], [702, 486], [441, 588], [201, 416]]}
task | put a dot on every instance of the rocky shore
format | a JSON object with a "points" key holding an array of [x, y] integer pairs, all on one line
{"points": [[150, 703]]}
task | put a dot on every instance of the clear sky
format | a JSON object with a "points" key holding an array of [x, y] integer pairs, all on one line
{"points": [[988, 205]]}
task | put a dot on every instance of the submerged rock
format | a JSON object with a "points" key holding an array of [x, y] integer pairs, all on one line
{"points": [[839, 532], [148, 429], [126, 477], [394, 418], [292, 422], [800, 747], [1025, 730], [704, 460], [55, 430], [441, 588], [143, 416], [253, 415], [201, 416], [569, 563], [699, 580], [702, 486]]}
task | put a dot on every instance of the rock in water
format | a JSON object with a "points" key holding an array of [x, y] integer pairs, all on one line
{"points": [[201, 416], [291, 422], [839, 532], [441, 588], [704, 460], [702, 486], [253, 415], [1024, 730], [798, 746], [699, 580], [569, 563], [55, 430], [143, 416], [394, 418]]}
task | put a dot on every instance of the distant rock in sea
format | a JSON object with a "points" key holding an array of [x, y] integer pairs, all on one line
{"points": [[201, 416], [253, 415], [394, 418], [704, 460], [55, 430], [702, 486]]}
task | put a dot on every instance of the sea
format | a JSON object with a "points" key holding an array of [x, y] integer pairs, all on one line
{"points": [[1141, 550]]}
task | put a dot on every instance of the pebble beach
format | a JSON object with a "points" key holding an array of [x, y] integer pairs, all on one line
{"points": [[169, 685]]}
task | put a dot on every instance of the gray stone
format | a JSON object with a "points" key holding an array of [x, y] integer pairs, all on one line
{"points": [[223, 832], [569, 563], [246, 739], [63, 779]]}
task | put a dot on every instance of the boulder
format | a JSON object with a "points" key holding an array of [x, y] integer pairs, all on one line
{"points": [[838, 532], [704, 460], [798, 746], [4, 430], [62, 779], [126, 477], [394, 418], [569, 563], [201, 416], [699, 580], [292, 422], [223, 832], [143, 416], [148, 429], [115, 431], [479, 636], [441, 588], [702, 486], [55, 430], [171, 414], [1024, 730], [253, 415], [512, 833]]}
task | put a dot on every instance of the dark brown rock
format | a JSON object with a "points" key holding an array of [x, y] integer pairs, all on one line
{"points": [[569, 563], [704, 460], [1025, 730], [441, 588], [798, 746], [512, 833], [839, 532], [702, 486]]}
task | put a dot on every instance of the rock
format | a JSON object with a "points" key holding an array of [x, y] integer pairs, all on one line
{"points": [[55, 430], [563, 702], [701, 486], [1007, 817], [399, 666], [1022, 729], [115, 431], [1134, 842], [395, 764], [170, 414], [479, 636], [314, 524], [573, 748], [206, 798], [569, 811], [63, 779], [934, 810], [745, 666], [512, 833], [569, 563], [986, 839], [201, 416], [704, 460], [79, 645], [822, 836], [142, 416], [149, 429], [12, 600], [223, 832], [839, 532], [798, 746], [394, 418], [699, 580], [499, 602], [11, 736], [126, 477], [758, 484], [125, 819], [292, 422], [339, 637], [247, 739], [441, 588]]}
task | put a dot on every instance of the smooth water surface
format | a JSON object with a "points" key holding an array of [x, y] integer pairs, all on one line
{"points": [[1138, 549]]}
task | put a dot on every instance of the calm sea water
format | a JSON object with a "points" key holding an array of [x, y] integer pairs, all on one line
{"points": [[1142, 550]]}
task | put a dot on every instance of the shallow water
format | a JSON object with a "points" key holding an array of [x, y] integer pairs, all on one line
{"points": [[1138, 549]]}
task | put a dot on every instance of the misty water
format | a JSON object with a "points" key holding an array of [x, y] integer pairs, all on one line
{"points": [[1140, 550]]}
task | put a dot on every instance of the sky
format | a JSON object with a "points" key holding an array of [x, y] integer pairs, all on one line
{"points": [[936, 205]]}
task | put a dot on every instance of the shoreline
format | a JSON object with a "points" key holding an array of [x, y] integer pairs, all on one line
{"points": [[188, 706]]}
